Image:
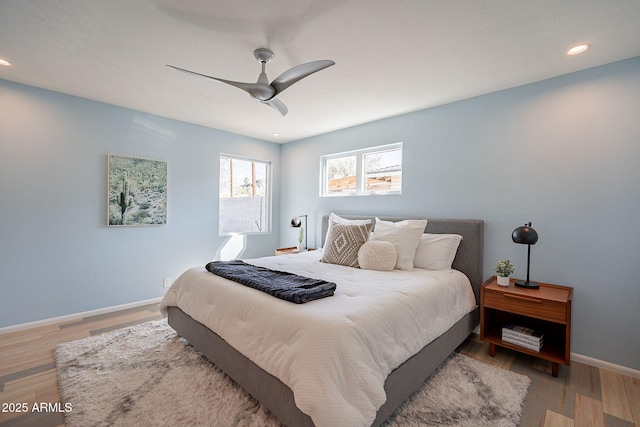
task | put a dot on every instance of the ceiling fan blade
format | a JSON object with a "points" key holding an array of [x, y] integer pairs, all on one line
{"points": [[250, 88], [277, 105], [297, 73], [261, 90]]}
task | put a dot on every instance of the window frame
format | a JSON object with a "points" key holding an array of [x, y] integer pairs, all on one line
{"points": [[267, 196], [360, 170]]}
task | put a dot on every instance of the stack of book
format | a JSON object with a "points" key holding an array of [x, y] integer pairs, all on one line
{"points": [[524, 337]]}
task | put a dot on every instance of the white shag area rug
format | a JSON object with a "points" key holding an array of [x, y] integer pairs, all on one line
{"points": [[146, 375]]}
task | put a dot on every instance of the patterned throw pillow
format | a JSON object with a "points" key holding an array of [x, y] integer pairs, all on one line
{"points": [[344, 242]]}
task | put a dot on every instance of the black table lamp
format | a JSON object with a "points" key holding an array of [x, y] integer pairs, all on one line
{"points": [[296, 223], [527, 236]]}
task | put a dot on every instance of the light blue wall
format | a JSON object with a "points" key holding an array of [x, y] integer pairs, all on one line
{"points": [[57, 256], [563, 153]]}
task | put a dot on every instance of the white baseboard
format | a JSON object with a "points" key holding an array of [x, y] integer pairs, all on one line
{"points": [[634, 373], [76, 316]]}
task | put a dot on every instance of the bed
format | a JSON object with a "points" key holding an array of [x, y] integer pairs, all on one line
{"points": [[252, 370]]}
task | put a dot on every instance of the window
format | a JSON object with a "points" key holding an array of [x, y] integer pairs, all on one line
{"points": [[243, 195], [375, 170], [341, 175]]}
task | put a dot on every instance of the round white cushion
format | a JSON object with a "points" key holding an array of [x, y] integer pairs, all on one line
{"points": [[377, 255]]}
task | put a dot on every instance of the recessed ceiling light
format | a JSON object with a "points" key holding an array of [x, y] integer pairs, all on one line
{"points": [[3, 62], [578, 49], [276, 134]]}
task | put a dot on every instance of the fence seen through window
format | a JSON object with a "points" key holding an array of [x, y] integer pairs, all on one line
{"points": [[375, 170], [243, 195]]}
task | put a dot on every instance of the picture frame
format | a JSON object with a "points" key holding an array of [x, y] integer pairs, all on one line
{"points": [[136, 191]]}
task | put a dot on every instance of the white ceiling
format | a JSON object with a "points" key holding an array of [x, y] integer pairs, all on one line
{"points": [[392, 57]]}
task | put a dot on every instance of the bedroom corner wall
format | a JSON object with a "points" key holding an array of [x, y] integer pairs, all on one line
{"points": [[562, 153], [57, 255]]}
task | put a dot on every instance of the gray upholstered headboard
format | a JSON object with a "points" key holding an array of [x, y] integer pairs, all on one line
{"points": [[469, 256]]}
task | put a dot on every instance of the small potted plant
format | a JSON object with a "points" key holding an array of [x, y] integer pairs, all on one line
{"points": [[300, 239], [504, 269]]}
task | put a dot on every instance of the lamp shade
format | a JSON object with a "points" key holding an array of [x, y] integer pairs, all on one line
{"points": [[525, 235], [295, 222]]}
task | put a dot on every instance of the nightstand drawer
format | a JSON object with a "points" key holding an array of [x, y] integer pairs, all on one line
{"points": [[527, 305]]}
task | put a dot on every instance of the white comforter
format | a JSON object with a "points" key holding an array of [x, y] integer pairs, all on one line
{"points": [[334, 353]]}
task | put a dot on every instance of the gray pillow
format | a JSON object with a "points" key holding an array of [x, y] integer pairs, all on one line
{"points": [[344, 242]]}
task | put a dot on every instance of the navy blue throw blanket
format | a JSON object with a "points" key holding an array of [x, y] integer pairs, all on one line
{"points": [[280, 284]]}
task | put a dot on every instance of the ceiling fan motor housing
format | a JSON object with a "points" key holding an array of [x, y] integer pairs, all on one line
{"points": [[263, 55]]}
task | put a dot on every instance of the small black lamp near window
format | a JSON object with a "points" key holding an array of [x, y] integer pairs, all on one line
{"points": [[527, 236], [296, 223]]}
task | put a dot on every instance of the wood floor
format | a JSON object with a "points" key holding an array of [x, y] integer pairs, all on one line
{"points": [[580, 396]]}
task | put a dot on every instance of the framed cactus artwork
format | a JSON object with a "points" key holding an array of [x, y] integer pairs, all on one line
{"points": [[137, 191]]}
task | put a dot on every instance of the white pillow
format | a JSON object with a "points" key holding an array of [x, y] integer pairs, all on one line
{"points": [[437, 251], [377, 255], [404, 235], [335, 219]]}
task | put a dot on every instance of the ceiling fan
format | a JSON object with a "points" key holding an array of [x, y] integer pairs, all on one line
{"points": [[264, 91]]}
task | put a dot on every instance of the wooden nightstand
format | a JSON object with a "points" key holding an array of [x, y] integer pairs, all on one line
{"points": [[289, 250], [547, 310]]}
